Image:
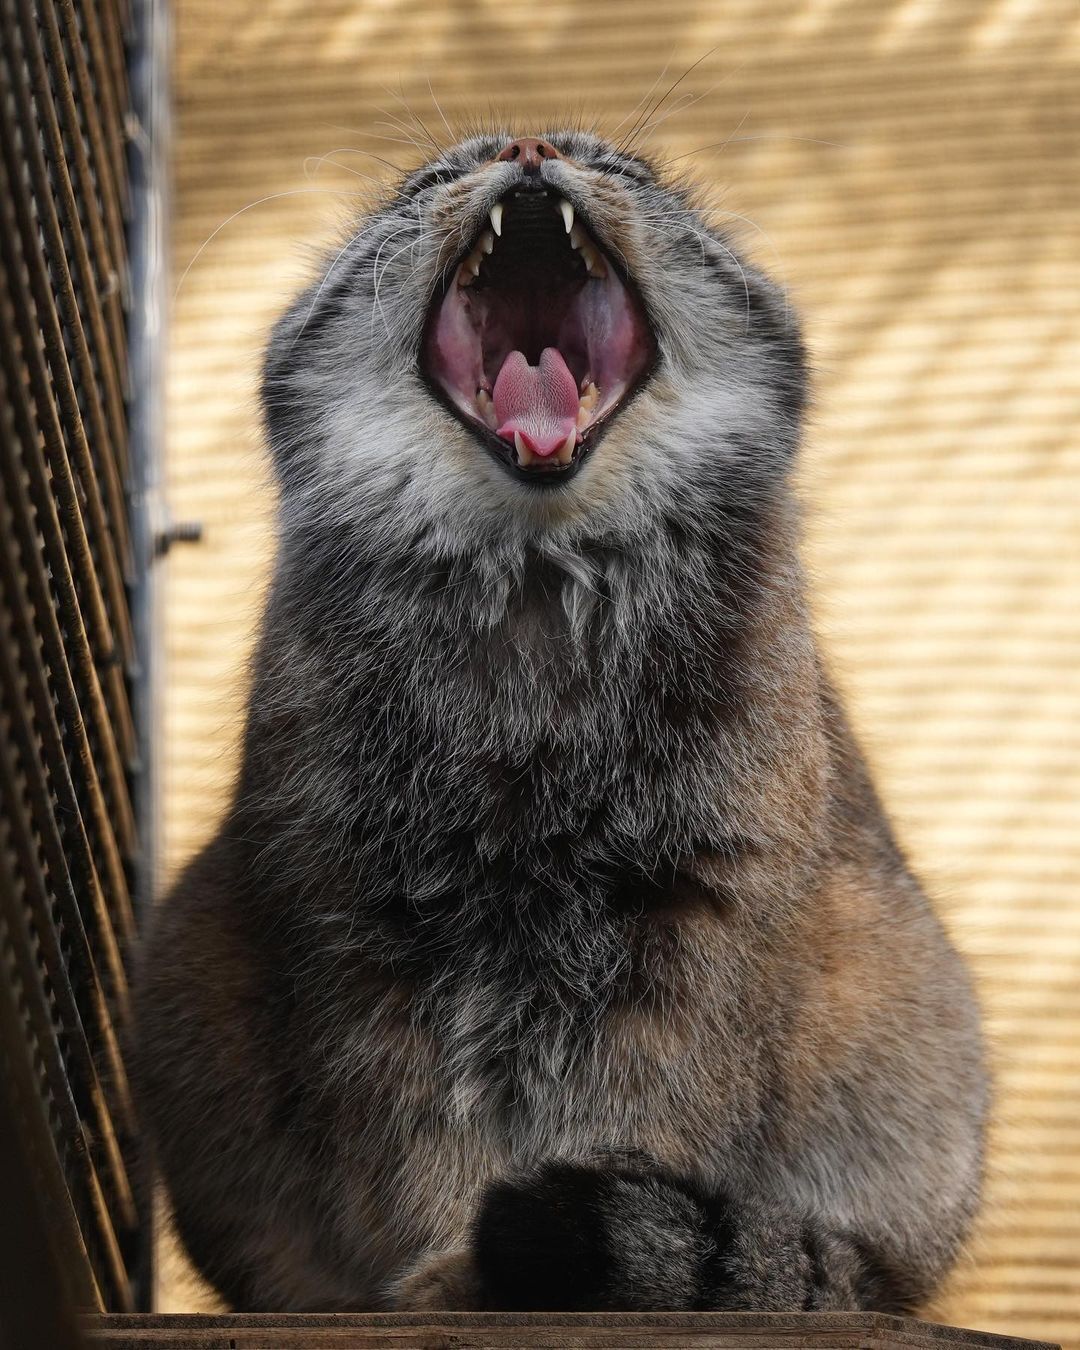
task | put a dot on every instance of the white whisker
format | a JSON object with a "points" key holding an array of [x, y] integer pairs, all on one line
{"points": [[273, 196]]}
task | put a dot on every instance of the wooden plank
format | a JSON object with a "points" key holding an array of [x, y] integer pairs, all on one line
{"points": [[524, 1331]]}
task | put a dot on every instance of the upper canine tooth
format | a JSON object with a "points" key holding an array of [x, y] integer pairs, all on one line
{"points": [[496, 214], [567, 214]]}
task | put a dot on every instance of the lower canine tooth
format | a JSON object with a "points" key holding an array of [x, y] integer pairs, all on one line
{"points": [[593, 261], [524, 454], [565, 451]]}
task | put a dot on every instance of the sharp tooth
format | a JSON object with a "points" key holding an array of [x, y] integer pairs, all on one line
{"points": [[593, 261], [594, 264], [496, 218], [524, 454], [587, 404], [472, 262], [567, 214], [565, 451], [487, 241], [483, 404]]}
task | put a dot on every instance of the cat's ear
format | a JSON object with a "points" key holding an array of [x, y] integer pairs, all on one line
{"points": [[297, 360], [774, 322], [299, 331]]}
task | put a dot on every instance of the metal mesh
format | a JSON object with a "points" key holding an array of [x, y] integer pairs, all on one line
{"points": [[68, 746]]}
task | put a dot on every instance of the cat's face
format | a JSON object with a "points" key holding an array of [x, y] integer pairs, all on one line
{"points": [[535, 335]]}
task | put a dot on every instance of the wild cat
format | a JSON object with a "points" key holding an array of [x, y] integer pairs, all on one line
{"points": [[555, 952]]}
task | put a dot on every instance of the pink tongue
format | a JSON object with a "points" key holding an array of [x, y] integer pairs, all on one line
{"points": [[539, 402]]}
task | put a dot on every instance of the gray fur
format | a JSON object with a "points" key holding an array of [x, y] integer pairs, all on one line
{"points": [[551, 838]]}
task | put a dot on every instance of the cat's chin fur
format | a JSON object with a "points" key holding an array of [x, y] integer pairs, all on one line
{"points": [[555, 951]]}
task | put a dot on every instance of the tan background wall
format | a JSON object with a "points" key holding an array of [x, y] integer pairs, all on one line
{"points": [[910, 170]]}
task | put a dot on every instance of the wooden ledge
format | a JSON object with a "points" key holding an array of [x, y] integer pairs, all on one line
{"points": [[524, 1331]]}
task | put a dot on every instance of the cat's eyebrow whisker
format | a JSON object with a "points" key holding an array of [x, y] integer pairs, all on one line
{"points": [[637, 111], [643, 99], [767, 136], [313, 163], [355, 150], [261, 201], [684, 101], [717, 144], [398, 140], [438, 107], [416, 118], [688, 101], [670, 90], [393, 123]]}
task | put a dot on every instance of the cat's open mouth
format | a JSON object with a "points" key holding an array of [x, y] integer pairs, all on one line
{"points": [[537, 338]]}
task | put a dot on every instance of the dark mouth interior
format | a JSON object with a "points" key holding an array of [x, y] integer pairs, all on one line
{"points": [[537, 339]]}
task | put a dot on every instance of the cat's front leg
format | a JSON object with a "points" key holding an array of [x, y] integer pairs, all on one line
{"points": [[628, 1236]]}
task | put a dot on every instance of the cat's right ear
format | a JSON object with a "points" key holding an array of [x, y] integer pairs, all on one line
{"points": [[297, 364]]}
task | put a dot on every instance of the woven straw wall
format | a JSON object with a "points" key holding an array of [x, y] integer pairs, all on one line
{"points": [[911, 173]]}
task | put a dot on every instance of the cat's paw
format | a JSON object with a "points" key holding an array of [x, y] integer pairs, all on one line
{"points": [[439, 1282], [572, 1236], [622, 1234]]}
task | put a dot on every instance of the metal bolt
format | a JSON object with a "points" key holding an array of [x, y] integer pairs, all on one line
{"points": [[182, 532]]}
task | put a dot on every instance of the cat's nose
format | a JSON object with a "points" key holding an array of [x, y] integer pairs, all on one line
{"points": [[529, 153]]}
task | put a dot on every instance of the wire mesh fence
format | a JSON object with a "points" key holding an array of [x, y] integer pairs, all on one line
{"points": [[70, 751]]}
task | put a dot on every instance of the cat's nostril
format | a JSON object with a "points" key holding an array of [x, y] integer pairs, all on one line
{"points": [[529, 153]]}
